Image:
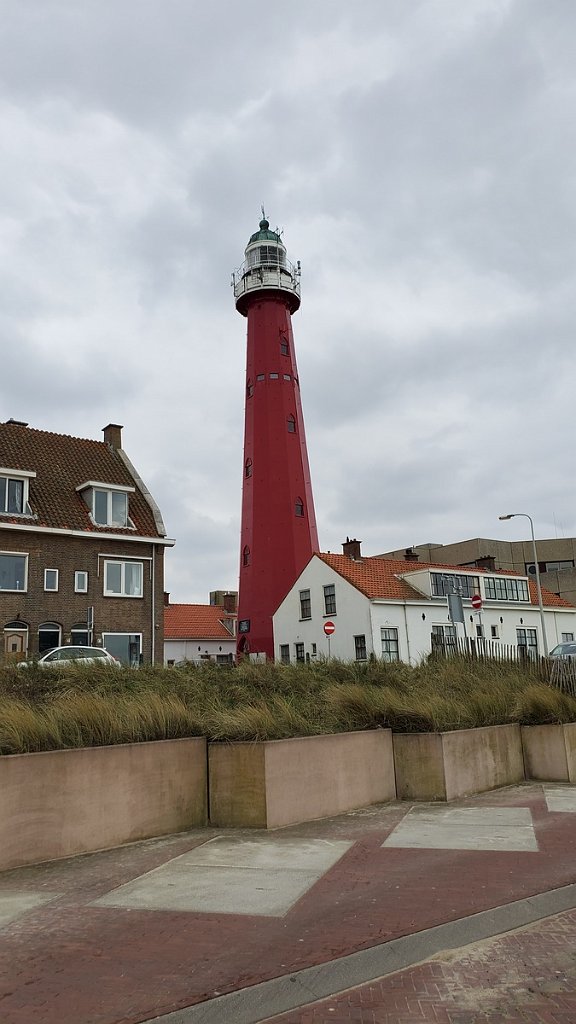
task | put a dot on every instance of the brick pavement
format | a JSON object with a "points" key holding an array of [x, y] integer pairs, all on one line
{"points": [[525, 977], [72, 962]]}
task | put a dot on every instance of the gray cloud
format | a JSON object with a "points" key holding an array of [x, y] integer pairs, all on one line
{"points": [[419, 157]]}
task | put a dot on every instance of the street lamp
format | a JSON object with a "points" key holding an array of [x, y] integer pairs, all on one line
{"points": [[524, 515]]}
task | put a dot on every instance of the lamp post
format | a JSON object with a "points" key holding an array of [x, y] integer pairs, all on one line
{"points": [[524, 515]]}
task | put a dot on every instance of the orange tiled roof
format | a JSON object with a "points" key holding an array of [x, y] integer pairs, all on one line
{"points": [[380, 578], [61, 464], [195, 621]]}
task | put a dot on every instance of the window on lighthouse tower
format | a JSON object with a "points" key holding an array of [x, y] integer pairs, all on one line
{"points": [[291, 423], [299, 507], [248, 467], [246, 556]]}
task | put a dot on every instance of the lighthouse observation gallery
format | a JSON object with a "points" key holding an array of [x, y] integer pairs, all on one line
{"points": [[278, 531]]}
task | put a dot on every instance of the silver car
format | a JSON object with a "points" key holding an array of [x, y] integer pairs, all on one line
{"points": [[73, 655], [564, 650]]}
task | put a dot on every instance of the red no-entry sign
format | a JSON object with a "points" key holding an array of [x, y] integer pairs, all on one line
{"points": [[476, 602], [329, 628]]}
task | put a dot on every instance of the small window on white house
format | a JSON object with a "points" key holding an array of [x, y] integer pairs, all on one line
{"points": [[50, 579], [81, 582], [123, 579]]}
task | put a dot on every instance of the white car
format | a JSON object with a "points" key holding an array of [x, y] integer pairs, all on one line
{"points": [[72, 655]]}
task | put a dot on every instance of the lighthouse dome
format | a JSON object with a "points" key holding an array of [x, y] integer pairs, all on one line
{"points": [[264, 234]]}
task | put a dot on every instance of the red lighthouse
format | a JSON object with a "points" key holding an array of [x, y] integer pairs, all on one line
{"points": [[278, 533]]}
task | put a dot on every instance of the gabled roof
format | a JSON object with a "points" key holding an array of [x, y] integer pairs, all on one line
{"points": [[196, 622], [380, 578], [61, 464]]}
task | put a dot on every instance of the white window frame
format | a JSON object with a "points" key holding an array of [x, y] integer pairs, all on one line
{"points": [[51, 590], [17, 590], [77, 588], [22, 476], [88, 490], [123, 564]]}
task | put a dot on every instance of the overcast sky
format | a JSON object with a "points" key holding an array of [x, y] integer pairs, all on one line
{"points": [[420, 157]]}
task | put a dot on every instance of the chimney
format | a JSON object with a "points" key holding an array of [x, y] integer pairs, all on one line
{"points": [[351, 548], [410, 555], [230, 602], [486, 562], [166, 598], [113, 435]]}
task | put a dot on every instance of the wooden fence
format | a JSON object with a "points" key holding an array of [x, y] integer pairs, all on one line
{"points": [[558, 672]]}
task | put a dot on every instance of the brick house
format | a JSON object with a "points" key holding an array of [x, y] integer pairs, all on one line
{"points": [[81, 547]]}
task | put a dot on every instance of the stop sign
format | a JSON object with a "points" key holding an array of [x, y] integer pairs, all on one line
{"points": [[476, 602], [329, 628]]}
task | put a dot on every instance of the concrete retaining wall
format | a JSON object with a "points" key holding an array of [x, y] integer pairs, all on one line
{"points": [[550, 752], [447, 765], [280, 782], [63, 802]]}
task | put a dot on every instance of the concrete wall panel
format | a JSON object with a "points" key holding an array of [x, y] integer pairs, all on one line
{"points": [[476, 760], [64, 802], [545, 753]]}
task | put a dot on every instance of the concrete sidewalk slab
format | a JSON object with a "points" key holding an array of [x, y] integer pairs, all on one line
{"points": [[471, 828], [232, 876], [14, 904]]}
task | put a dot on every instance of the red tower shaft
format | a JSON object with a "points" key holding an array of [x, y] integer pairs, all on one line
{"points": [[278, 531]]}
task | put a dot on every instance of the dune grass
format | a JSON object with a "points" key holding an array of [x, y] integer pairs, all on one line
{"points": [[93, 706]]}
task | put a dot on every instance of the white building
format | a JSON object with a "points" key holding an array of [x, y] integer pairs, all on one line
{"points": [[397, 610], [199, 632]]}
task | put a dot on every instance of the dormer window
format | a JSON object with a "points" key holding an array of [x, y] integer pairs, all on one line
{"points": [[108, 503], [14, 492]]}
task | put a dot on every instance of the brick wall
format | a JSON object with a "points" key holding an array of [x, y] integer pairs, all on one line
{"points": [[111, 614]]}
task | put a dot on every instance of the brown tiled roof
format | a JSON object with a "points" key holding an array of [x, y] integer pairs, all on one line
{"points": [[195, 622], [380, 578], [61, 464]]}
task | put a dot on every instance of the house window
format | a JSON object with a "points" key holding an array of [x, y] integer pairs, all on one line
{"points": [[291, 424], [12, 495], [285, 654], [443, 639], [567, 637], [305, 606], [501, 588], [49, 635], [453, 583], [80, 582], [360, 647], [330, 599], [125, 647], [494, 633], [527, 641], [389, 638], [79, 635], [479, 631], [246, 556], [50, 579], [313, 650], [13, 571], [123, 579], [248, 467], [299, 507], [299, 650], [108, 504]]}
